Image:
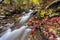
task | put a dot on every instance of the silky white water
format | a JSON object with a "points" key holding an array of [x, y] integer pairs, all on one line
{"points": [[18, 34], [14, 35], [25, 17]]}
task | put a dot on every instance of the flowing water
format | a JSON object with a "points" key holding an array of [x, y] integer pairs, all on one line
{"points": [[18, 34]]}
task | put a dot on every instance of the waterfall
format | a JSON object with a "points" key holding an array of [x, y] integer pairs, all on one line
{"points": [[25, 17], [18, 34], [14, 35]]}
